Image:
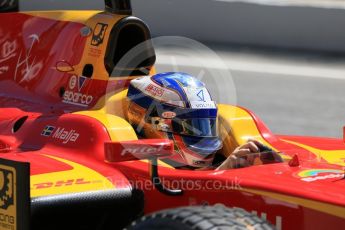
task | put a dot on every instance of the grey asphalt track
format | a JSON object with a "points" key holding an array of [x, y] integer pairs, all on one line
{"points": [[293, 103]]}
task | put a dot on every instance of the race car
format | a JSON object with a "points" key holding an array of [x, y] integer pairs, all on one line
{"points": [[69, 159]]}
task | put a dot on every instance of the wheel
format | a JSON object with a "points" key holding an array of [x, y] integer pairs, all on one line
{"points": [[201, 218]]}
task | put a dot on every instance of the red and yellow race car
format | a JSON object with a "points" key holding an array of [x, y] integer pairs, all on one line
{"points": [[63, 135]]}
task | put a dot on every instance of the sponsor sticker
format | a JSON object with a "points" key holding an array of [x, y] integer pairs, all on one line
{"points": [[94, 52], [198, 94], [81, 82], [168, 115], [61, 183], [154, 90], [61, 134], [8, 50], [8, 211], [99, 34], [141, 150], [28, 68], [203, 105], [14, 195], [320, 174], [73, 82], [47, 131], [85, 31], [76, 98]]}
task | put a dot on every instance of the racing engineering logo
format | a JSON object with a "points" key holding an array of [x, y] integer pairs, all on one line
{"points": [[61, 134], [7, 197], [6, 189], [320, 174], [99, 34]]}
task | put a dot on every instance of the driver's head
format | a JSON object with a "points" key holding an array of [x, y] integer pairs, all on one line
{"points": [[179, 107]]}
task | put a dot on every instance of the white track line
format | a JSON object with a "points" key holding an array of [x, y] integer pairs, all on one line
{"points": [[279, 69], [330, 4]]}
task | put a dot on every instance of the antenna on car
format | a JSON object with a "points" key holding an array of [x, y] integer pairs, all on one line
{"points": [[118, 6]]}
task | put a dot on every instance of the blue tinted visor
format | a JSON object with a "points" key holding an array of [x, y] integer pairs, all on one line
{"points": [[203, 146], [199, 127]]}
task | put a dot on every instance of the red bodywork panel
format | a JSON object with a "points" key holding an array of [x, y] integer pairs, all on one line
{"points": [[55, 140]]}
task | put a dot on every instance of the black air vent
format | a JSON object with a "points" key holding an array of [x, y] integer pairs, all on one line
{"points": [[19, 123]]}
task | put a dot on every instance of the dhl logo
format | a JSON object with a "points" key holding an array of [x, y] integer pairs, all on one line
{"points": [[61, 183]]}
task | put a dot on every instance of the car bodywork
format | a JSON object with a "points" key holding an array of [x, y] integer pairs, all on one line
{"points": [[62, 99]]}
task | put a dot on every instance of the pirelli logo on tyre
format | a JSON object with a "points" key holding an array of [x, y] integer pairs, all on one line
{"points": [[8, 201], [14, 195]]}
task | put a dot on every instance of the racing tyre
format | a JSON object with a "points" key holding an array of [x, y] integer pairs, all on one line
{"points": [[201, 218]]}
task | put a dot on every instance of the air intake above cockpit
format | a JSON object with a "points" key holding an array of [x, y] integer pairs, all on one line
{"points": [[118, 6]]}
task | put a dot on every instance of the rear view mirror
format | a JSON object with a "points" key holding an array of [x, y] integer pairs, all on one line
{"points": [[149, 149], [138, 150]]}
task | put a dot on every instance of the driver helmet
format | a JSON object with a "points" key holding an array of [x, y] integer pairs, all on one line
{"points": [[179, 107]]}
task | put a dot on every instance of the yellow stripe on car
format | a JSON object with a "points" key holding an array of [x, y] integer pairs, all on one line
{"points": [[331, 156], [118, 128], [66, 15], [236, 127]]}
